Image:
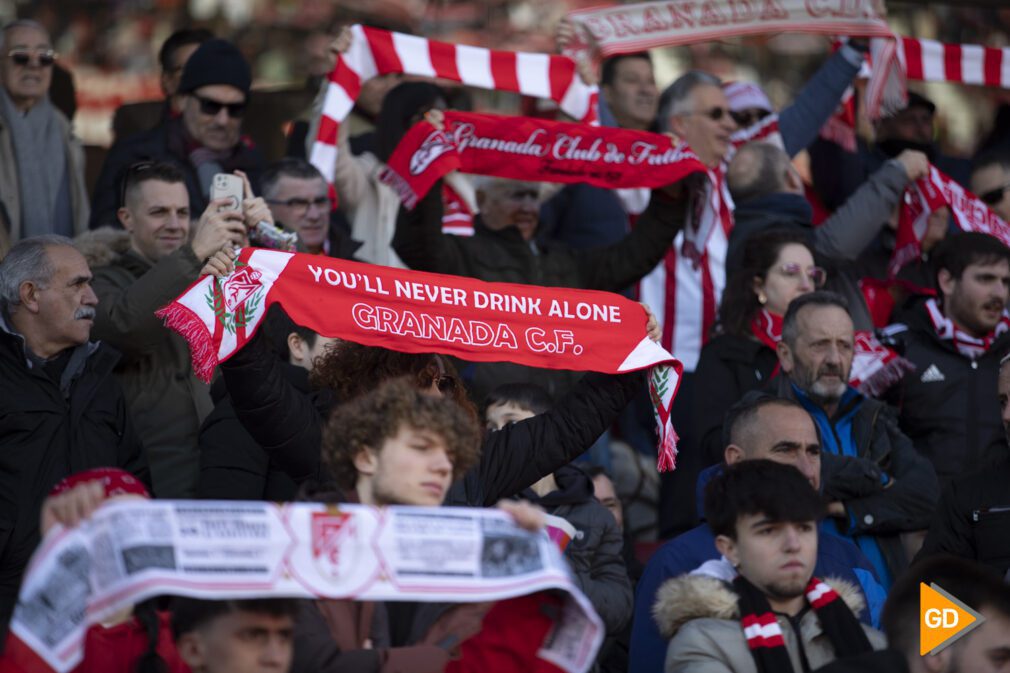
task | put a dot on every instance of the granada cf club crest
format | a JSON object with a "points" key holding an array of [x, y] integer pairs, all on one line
{"points": [[434, 146], [237, 297], [329, 530]]}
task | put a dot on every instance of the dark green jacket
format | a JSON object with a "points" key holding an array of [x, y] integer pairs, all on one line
{"points": [[167, 402]]}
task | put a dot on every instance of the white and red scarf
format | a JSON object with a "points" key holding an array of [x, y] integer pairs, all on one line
{"points": [[374, 52], [623, 29], [524, 148], [967, 345], [416, 312], [875, 367], [929, 194]]}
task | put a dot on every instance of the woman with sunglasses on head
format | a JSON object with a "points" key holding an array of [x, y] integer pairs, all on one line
{"points": [[777, 267]]}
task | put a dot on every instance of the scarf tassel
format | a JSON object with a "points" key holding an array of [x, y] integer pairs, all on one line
{"points": [[194, 330], [885, 377]]}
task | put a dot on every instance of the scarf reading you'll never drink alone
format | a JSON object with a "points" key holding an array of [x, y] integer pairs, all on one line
{"points": [[41, 167], [415, 312]]}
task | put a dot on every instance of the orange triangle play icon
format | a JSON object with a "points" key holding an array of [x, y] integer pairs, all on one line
{"points": [[942, 619]]}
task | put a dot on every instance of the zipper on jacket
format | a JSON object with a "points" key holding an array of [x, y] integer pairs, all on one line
{"points": [[976, 514]]}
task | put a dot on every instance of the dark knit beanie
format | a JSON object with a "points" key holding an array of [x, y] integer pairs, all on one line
{"points": [[216, 62]]}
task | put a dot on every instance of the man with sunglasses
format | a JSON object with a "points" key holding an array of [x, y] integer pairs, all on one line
{"points": [[42, 188], [205, 140], [990, 181]]}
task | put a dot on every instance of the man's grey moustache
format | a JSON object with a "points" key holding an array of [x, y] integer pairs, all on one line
{"points": [[84, 313]]}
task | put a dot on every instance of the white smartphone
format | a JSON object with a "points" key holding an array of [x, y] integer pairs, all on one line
{"points": [[227, 186]]}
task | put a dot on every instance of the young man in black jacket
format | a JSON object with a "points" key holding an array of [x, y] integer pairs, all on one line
{"points": [[973, 518], [61, 409], [956, 342]]}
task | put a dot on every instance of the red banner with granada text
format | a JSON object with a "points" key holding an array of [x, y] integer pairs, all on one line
{"points": [[417, 312], [524, 148]]}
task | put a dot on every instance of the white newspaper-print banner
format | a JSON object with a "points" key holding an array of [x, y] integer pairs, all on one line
{"points": [[132, 550]]}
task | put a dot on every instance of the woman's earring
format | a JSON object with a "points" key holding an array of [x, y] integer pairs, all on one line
{"points": [[762, 299]]}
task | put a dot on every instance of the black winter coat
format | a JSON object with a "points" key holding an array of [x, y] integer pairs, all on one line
{"points": [[288, 425], [48, 432], [503, 256], [730, 366], [973, 518], [948, 404], [162, 143], [595, 552], [232, 465]]}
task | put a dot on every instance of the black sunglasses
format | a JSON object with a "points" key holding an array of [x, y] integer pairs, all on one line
{"points": [[994, 196], [23, 57], [715, 114], [130, 176], [747, 118], [212, 107]]}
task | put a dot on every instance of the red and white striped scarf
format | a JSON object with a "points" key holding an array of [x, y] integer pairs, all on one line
{"points": [[929, 194], [374, 52], [967, 345], [932, 61]]}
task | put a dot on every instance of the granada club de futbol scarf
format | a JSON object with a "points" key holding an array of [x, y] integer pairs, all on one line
{"points": [[415, 312], [875, 367], [929, 194], [524, 148]]}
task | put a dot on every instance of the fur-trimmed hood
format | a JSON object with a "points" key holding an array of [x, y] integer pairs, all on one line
{"points": [[682, 599], [103, 246]]}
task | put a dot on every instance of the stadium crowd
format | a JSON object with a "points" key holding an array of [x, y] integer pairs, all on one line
{"points": [[804, 501]]}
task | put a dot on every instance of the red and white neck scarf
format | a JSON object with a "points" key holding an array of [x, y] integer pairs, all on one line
{"points": [[967, 345], [623, 29], [457, 214], [523, 148], [374, 52], [416, 312], [875, 367], [929, 194]]}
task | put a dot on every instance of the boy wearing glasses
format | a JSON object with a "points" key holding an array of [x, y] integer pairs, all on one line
{"points": [[41, 162], [205, 140]]}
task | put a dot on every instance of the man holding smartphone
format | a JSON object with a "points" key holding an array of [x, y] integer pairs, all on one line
{"points": [[154, 261], [204, 141]]}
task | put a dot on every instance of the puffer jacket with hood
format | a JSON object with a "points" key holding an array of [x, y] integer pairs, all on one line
{"points": [[595, 552], [700, 615]]}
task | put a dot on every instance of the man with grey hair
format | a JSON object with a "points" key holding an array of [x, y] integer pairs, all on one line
{"points": [[299, 200], [695, 109], [877, 484], [42, 188], [61, 409]]}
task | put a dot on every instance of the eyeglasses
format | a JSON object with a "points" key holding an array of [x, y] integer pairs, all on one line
{"points": [[994, 196], [23, 57], [715, 114], [303, 205], [212, 107], [747, 118], [132, 176], [815, 274]]}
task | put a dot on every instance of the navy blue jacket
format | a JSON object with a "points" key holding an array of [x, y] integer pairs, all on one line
{"points": [[836, 557]]}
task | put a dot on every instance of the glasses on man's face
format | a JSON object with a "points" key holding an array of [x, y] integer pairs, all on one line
{"points": [[212, 107], [302, 206], [22, 57], [815, 274], [994, 196], [715, 113], [747, 118]]}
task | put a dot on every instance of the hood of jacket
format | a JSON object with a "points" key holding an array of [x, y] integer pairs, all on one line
{"points": [[688, 597], [574, 488], [103, 246]]}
